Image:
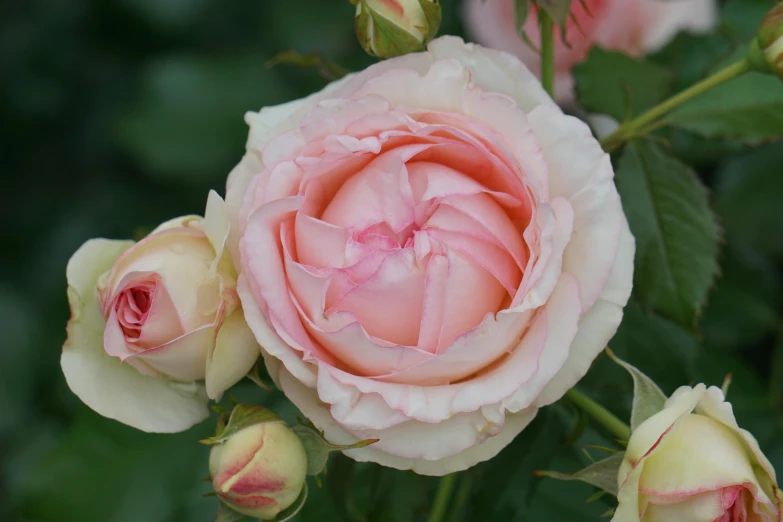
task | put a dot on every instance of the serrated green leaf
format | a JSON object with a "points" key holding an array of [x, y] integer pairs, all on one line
{"points": [[615, 84], [602, 474], [242, 416], [748, 109], [676, 233], [648, 399]]}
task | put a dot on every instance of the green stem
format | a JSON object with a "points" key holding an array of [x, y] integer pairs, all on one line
{"points": [[632, 128], [442, 497], [547, 51], [600, 414]]}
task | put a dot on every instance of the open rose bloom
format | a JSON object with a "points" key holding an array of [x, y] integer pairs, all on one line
{"points": [[634, 27], [151, 320], [691, 462], [430, 251]]}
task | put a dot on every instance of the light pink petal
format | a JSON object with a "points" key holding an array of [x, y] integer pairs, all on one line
{"points": [[430, 180], [162, 322], [491, 258], [263, 264], [482, 209], [184, 358], [389, 303], [378, 194]]}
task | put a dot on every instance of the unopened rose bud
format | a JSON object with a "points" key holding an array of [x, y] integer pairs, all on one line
{"points": [[691, 462], [389, 28], [766, 50], [259, 470]]}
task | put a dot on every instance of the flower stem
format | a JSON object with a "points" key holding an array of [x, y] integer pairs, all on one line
{"points": [[600, 414], [638, 125], [547, 51], [442, 497]]}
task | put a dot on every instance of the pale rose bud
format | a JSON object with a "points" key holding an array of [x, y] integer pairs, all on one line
{"points": [[691, 462], [389, 28], [151, 320], [766, 50], [260, 470]]}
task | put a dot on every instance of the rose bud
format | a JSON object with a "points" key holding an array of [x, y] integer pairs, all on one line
{"points": [[260, 470], [691, 462], [389, 28], [766, 50], [151, 320]]}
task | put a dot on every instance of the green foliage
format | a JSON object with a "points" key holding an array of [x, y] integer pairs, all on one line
{"points": [[615, 84], [676, 233]]}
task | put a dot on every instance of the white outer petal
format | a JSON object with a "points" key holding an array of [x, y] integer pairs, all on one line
{"points": [[234, 354], [113, 389], [306, 399], [598, 325]]}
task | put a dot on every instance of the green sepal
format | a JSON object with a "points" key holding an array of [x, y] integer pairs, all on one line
{"points": [[243, 416], [601, 474], [318, 448], [559, 11], [434, 15], [253, 374], [648, 399], [294, 509]]}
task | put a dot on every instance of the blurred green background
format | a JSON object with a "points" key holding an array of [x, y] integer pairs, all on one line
{"points": [[118, 114]]}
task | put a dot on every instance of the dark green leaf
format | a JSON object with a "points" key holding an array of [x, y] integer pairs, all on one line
{"points": [[748, 194], [744, 308], [742, 17], [676, 234], [615, 84]]}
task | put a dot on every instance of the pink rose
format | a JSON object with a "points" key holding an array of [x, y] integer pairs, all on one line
{"points": [[634, 27], [430, 251], [151, 320]]}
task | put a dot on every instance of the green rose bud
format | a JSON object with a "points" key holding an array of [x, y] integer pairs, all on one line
{"points": [[766, 50], [389, 28]]}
